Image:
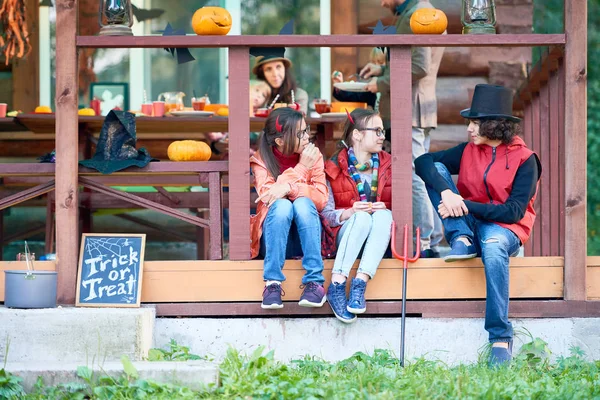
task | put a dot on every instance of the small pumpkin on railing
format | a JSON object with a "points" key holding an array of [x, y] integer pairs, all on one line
{"points": [[189, 150], [428, 21], [211, 21]]}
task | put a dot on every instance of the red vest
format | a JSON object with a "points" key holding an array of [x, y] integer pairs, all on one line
{"points": [[487, 175], [344, 188]]}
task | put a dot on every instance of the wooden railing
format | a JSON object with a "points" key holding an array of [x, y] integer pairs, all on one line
{"points": [[543, 100]]}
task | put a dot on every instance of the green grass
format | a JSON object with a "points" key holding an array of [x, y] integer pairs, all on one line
{"points": [[362, 376]]}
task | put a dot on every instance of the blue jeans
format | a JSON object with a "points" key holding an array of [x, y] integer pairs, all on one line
{"points": [[369, 232], [495, 245], [292, 229]]}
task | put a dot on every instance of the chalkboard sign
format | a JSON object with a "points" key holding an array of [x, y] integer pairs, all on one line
{"points": [[110, 270]]}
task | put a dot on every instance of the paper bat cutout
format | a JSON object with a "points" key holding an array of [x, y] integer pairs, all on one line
{"points": [[381, 29], [288, 28], [183, 54], [142, 14]]}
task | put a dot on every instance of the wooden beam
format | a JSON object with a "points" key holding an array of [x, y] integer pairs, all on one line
{"points": [[576, 149], [67, 219], [26, 71], [401, 138], [425, 309], [215, 281], [344, 18], [239, 166], [241, 41]]}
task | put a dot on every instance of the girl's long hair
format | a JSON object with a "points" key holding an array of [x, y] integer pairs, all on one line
{"points": [[288, 120], [285, 90]]}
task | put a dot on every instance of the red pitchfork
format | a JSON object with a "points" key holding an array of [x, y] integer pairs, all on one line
{"points": [[405, 260]]}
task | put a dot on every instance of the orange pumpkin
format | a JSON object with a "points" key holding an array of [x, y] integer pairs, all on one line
{"points": [[189, 150], [43, 110], [211, 21], [428, 21]]}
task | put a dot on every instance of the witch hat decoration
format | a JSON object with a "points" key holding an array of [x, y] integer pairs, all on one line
{"points": [[183, 54]]}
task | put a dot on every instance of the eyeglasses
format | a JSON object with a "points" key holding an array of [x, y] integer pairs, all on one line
{"points": [[380, 132], [303, 133]]}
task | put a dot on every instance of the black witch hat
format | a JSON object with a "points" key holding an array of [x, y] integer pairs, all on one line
{"points": [[116, 146]]}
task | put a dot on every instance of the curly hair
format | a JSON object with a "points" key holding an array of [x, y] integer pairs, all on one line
{"points": [[499, 129]]}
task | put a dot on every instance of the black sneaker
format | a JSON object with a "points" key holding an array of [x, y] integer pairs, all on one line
{"points": [[429, 253], [272, 297]]}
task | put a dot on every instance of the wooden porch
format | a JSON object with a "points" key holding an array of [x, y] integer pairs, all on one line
{"points": [[556, 278]]}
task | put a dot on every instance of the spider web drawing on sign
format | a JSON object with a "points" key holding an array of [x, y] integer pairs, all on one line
{"points": [[115, 247]]}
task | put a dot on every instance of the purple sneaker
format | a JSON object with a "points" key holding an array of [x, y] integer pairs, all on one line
{"points": [[272, 297], [313, 295]]}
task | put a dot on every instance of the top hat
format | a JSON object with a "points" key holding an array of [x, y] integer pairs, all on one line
{"points": [[268, 54], [116, 145], [491, 102]]}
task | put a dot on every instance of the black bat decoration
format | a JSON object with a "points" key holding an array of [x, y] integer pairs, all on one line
{"points": [[183, 54], [142, 14]]}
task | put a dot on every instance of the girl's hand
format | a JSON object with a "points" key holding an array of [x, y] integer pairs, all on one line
{"points": [[275, 192], [310, 155], [337, 77], [379, 205]]}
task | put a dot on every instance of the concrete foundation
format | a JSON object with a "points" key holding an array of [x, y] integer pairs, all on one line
{"points": [[84, 335], [452, 341], [192, 374]]}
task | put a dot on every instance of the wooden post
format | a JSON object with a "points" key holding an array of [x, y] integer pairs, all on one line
{"points": [[575, 149], [401, 138], [67, 202], [344, 21], [26, 71], [239, 166], [215, 243]]}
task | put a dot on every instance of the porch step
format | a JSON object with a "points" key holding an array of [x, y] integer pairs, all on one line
{"points": [[191, 374], [69, 334], [451, 340]]}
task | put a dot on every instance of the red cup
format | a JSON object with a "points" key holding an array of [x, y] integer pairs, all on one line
{"points": [[159, 108], [147, 109], [198, 105], [262, 112], [95, 105], [3, 107], [322, 108]]}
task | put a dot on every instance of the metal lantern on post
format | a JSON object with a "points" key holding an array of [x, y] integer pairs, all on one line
{"points": [[478, 16], [115, 18]]}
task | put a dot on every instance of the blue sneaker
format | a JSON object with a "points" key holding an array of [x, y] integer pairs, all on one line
{"points": [[336, 297], [357, 303], [500, 356], [461, 251]]}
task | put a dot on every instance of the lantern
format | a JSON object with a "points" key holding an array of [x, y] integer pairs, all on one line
{"points": [[115, 18], [478, 16]]}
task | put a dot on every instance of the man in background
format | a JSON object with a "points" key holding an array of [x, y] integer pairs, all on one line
{"points": [[425, 65]]}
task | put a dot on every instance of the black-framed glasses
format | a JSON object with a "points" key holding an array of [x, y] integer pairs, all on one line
{"points": [[380, 132], [302, 134]]}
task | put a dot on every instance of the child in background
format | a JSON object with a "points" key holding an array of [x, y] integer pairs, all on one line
{"points": [[260, 91], [378, 56]]}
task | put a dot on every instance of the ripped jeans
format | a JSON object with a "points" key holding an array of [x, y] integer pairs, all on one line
{"points": [[495, 245]]}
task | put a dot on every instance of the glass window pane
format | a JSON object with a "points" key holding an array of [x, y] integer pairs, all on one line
{"points": [[201, 75]]}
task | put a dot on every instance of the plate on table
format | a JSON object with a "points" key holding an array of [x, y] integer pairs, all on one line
{"points": [[334, 114], [192, 113], [351, 86]]}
